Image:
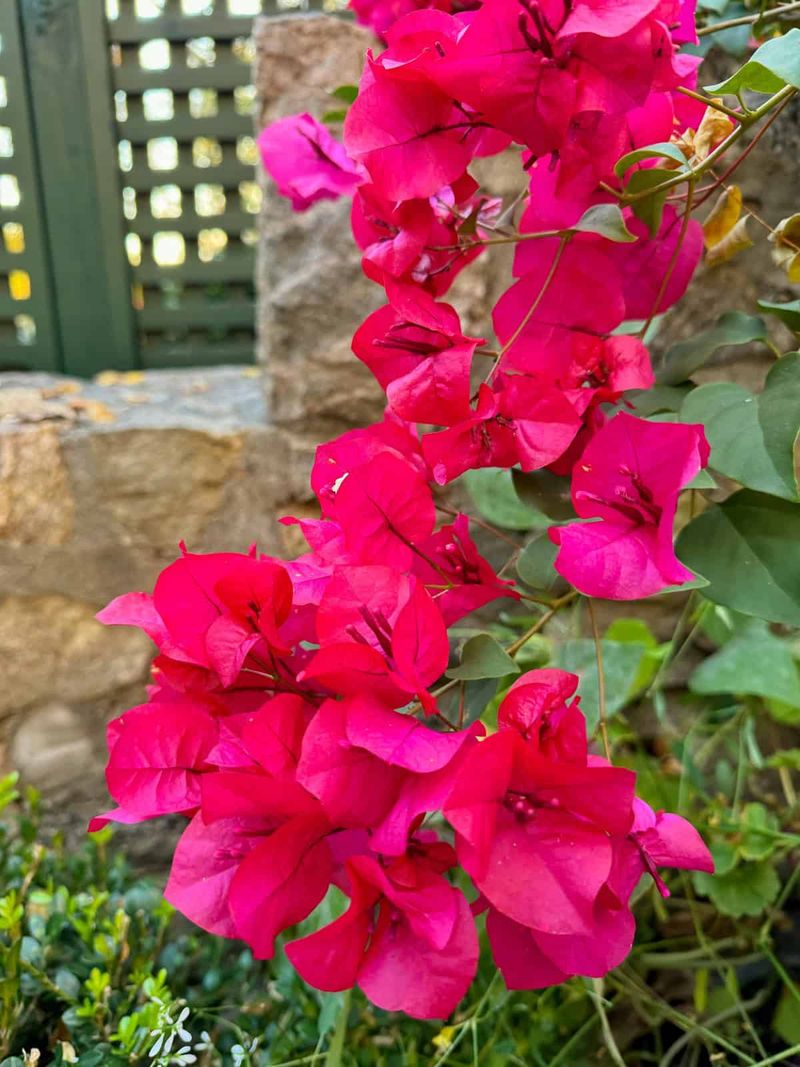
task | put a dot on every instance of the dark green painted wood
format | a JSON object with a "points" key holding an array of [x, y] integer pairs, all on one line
{"points": [[71, 96], [236, 266], [229, 173], [44, 353], [127, 29], [213, 315], [226, 73], [189, 224], [226, 126]]}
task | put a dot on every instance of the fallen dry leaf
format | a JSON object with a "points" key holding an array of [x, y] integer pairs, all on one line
{"points": [[94, 410]]}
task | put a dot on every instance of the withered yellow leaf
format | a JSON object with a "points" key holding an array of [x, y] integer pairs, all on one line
{"points": [[734, 241], [714, 127], [785, 240], [723, 216]]}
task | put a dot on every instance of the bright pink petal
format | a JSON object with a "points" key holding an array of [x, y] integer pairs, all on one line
{"points": [[280, 882], [402, 972]]}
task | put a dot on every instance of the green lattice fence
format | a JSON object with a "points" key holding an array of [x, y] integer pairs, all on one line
{"points": [[128, 193]]}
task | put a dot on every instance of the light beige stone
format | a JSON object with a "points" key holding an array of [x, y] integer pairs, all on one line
{"points": [[52, 648], [52, 747], [159, 488], [36, 503], [312, 291]]}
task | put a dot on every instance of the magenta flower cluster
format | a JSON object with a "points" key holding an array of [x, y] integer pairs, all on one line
{"points": [[293, 717]]}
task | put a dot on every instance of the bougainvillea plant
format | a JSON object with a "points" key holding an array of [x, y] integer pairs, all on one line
{"points": [[297, 714]]}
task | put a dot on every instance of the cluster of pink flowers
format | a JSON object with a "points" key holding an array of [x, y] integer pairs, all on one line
{"points": [[294, 717]]}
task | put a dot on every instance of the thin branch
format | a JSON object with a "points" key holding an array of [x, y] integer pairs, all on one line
{"points": [[687, 215], [601, 680], [747, 20], [717, 105], [540, 296]]}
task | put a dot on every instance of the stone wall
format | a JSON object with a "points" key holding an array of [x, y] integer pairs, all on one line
{"points": [[99, 481], [98, 484]]}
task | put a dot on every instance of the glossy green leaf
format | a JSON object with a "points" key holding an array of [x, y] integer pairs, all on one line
{"points": [[753, 439], [662, 150], [775, 64], [747, 889], [606, 220], [494, 496], [483, 657], [649, 209], [535, 563], [685, 357], [788, 313], [748, 549]]}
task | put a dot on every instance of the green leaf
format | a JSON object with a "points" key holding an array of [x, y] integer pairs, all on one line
{"points": [[535, 564], [775, 64], [348, 93], [701, 480], [786, 1021], [753, 438], [467, 702], [788, 312], [494, 496], [785, 712], [662, 150], [607, 221], [755, 844], [631, 631], [331, 118], [685, 357], [483, 657], [779, 417], [748, 549], [621, 663], [637, 632], [546, 492], [787, 757], [725, 856], [649, 209], [746, 890], [755, 664], [661, 398]]}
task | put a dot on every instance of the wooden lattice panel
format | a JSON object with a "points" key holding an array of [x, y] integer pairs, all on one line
{"points": [[26, 314], [181, 77]]}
